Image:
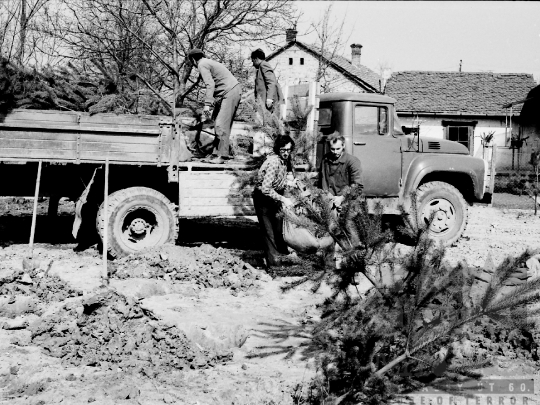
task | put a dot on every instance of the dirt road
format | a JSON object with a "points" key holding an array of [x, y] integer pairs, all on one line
{"points": [[244, 336]]}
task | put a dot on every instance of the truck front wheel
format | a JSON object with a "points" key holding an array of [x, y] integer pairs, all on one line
{"points": [[444, 205], [137, 218]]}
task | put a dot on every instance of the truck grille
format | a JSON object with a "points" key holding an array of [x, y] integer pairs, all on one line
{"points": [[434, 145]]}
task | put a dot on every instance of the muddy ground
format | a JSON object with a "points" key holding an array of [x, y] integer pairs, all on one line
{"points": [[196, 323]]}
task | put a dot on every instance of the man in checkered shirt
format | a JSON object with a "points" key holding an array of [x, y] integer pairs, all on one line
{"points": [[268, 198]]}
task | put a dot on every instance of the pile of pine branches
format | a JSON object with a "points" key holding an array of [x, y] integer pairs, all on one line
{"points": [[69, 88]]}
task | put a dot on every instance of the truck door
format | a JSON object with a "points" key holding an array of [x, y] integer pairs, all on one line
{"points": [[378, 151]]}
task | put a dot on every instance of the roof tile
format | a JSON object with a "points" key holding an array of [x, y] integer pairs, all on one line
{"points": [[458, 92]]}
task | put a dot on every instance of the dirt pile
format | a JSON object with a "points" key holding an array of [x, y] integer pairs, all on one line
{"points": [[204, 265], [111, 331], [36, 282]]}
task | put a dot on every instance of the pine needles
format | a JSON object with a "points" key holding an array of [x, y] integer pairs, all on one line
{"points": [[398, 320]]}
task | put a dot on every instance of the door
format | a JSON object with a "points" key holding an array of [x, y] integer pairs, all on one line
{"points": [[378, 151]]}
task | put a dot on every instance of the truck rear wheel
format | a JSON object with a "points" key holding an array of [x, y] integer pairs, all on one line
{"points": [[447, 206], [138, 217]]}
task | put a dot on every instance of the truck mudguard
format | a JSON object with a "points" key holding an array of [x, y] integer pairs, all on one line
{"points": [[422, 165]]}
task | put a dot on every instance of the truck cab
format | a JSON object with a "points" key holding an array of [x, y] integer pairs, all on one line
{"points": [[441, 173]]}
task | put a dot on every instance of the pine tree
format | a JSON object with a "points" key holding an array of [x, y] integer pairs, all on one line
{"points": [[404, 332]]}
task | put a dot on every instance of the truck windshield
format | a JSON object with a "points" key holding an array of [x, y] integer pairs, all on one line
{"points": [[370, 120]]}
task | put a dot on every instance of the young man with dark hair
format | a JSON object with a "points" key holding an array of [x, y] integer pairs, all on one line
{"points": [[223, 94], [268, 198], [267, 89]]}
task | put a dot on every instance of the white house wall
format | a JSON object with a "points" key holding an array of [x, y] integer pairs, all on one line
{"points": [[432, 127], [297, 73]]}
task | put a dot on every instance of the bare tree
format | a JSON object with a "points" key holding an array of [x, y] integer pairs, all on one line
{"points": [[19, 33], [149, 40], [331, 37]]}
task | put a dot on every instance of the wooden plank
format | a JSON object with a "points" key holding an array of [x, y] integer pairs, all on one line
{"points": [[119, 147], [120, 156], [28, 153], [133, 139], [197, 201], [56, 133], [224, 210], [37, 135], [201, 165], [225, 183], [62, 136], [47, 154], [107, 119], [37, 144], [213, 179], [39, 116], [124, 119], [215, 192], [55, 126]]}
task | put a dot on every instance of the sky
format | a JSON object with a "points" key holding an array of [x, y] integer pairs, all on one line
{"points": [[497, 36]]}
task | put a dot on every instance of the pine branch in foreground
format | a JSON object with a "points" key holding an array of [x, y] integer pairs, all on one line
{"points": [[412, 325]]}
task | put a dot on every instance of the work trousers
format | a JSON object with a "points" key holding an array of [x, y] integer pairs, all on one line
{"points": [[267, 210], [224, 113]]}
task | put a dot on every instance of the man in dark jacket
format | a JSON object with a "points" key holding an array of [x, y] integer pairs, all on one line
{"points": [[338, 172], [223, 94], [267, 89]]}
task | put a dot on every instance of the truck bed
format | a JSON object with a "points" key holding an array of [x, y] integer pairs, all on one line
{"points": [[58, 136]]}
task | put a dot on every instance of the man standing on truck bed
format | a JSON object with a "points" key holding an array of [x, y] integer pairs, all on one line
{"points": [[338, 172], [267, 89], [223, 94]]}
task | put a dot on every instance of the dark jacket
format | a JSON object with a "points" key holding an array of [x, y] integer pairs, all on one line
{"points": [[266, 84], [337, 177]]}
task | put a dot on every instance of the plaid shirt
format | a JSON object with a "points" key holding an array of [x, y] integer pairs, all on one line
{"points": [[272, 177]]}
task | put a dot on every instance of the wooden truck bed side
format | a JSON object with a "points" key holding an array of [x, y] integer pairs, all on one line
{"points": [[72, 137], [213, 190]]}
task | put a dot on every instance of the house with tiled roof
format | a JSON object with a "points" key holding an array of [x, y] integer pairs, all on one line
{"points": [[297, 63], [460, 106]]}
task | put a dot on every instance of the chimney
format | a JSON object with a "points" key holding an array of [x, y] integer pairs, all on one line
{"points": [[290, 35], [356, 53]]}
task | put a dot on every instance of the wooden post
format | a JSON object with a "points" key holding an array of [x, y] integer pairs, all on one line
{"points": [[492, 170], [313, 118], [106, 225], [284, 106], [34, 213]]}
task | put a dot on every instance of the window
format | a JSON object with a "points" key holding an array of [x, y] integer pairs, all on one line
{"points": [[370, 120], [290, 61], [459, 134], [301, 61], [325, 117], [460, 131]]}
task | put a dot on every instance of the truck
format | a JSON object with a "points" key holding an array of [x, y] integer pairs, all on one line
{"points": [[440, 174], [149, 187]]}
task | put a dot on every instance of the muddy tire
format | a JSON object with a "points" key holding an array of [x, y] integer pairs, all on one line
{"points": [[449, 207], [138, 218]]}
